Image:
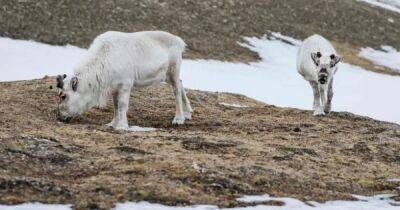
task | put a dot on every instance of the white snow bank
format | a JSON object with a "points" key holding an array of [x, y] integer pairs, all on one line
{"points": [[22, 60], [35, 206], [392, 5], [273, 80], [379, 202], [388, 57]]}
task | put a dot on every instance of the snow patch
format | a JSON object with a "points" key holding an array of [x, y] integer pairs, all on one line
{"points": [[254, 198], [35, 206], [22, 60], [388, 57], [379, 202], [234, 105], [140, 129], [392, 5]]}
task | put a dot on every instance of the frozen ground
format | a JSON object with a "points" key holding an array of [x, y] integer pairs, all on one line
{"points": [[380, 202], [273, 80], [387, 57], [393, 5]]}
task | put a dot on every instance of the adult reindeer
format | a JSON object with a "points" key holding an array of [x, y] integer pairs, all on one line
{"points": [[115, 63]]}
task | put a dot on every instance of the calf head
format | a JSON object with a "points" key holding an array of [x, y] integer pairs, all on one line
{"points": [[325, 66], [72, 97]]}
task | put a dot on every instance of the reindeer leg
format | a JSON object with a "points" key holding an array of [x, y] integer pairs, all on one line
{"points": [[323, 96], [115, 101], [328, 104], [187, 108], [121, 120], [173, 79], [318, 110]]}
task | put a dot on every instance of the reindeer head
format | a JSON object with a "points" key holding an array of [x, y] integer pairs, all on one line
{"points": [[326, 65], [72, 98]]}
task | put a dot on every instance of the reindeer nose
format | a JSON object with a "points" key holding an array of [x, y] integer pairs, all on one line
{"points": [[322, 81], [64, 118]]}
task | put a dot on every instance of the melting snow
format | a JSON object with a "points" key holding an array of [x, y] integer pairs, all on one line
{"points": [[22, 60], [234, 105], [392, 5], [379, 202], [36, 206], [387, 57], [140, 129]]}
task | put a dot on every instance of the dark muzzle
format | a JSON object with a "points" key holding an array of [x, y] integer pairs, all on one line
{"points": [[64, 118], [323, 76], [322, 79]]}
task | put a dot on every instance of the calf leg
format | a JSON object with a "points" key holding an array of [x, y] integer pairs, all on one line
{"points": [[328, 104], [121, 120], [318, 110]]}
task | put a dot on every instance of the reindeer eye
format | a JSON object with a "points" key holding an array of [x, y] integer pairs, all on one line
{"points": [[63, 97], [333, 56]]}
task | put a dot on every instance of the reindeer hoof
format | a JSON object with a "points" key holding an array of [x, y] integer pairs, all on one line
{"points": [[110, 125], [188, 115], [178, 120], [122, 128], [327, 110], [319, 112]]}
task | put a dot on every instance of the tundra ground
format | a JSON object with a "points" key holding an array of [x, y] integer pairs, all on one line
{"points": [[222, 153]]}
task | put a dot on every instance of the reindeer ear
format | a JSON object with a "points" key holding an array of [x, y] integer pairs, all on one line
{"points": [[74, 83], [335, 60], [60, 81], [315, 57]]}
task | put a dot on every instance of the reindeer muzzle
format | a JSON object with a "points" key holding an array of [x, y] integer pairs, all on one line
{"points": [[322, 79], [65, 119], [323, 76]]}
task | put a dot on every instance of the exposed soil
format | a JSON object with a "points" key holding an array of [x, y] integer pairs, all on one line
{"points": [[212, 28], [221, 154]]}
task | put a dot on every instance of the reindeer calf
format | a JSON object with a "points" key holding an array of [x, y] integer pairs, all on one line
{"points": [[317, 62]]}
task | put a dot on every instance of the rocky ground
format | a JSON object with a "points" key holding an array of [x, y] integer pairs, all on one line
{"points": [[211, 28], [223, 153]]}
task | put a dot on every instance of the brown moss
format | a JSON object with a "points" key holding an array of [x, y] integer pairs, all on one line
{"points": [[221, 154]]}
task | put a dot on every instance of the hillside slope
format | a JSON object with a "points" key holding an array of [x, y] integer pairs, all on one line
{"points": [[211, 28], [223, 153]]}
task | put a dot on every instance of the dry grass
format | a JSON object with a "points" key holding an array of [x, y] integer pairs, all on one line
{"points": [[255, 150]]}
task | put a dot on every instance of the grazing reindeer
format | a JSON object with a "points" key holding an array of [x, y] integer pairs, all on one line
{"points": [[115, 63], [317, 62]]}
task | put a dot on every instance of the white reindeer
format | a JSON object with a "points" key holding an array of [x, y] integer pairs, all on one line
{"points": [[115, 63], [317, 62]]}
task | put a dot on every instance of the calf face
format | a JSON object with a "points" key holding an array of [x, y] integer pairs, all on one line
{"points": [[325, 65]]}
